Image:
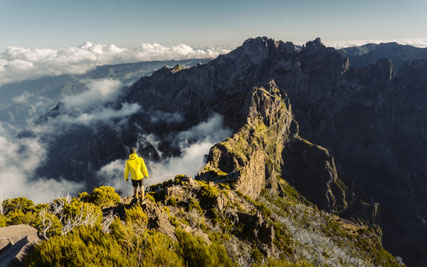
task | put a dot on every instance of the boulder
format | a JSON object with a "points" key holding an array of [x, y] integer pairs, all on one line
{"points": [[16, 242]]}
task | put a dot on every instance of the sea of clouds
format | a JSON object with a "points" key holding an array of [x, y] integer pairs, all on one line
{"points": [[18, 64], [20, 157], [417, 42]]}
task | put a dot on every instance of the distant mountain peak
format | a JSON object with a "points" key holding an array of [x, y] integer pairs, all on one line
{"points": [[315, 44]]}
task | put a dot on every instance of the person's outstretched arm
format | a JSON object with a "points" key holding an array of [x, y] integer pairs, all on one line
{"points": [[126, 172], [144, 168]]}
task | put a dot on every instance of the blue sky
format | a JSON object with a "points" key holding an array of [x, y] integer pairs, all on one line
{"points": [[59, 23]]}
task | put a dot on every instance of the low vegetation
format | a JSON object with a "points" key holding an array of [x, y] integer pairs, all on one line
{"points": [[192, 223]]}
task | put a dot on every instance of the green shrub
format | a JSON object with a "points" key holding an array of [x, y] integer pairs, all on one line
{"points": [[174, 221], [150, 197], [197, 253], [3, 221], [21, 203], [23, 211], [209, 192], [85, 246], [77, 208], [194, 204], [136, 215], [257, 256], [18, 217], [158, 250], [103, 196], [150, 248], [172, 201]]}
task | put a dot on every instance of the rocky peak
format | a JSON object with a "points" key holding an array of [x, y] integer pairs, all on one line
{"points": [[251, 157], [315, 44], [177, 68], [165, 70], [260, 48]]}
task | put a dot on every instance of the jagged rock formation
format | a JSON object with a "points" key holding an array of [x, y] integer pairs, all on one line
{"points": [[268, 146], [371, 121]]}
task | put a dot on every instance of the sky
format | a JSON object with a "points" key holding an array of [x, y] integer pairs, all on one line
{"points": [[60, 23]]}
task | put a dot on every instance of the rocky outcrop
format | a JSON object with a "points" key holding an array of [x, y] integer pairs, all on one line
{"points": [[157, 219], [16, 242], [251, 157], [267, 147], [256, 228]]}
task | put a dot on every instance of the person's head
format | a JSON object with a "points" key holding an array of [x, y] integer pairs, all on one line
{"points": [[133, 150]]}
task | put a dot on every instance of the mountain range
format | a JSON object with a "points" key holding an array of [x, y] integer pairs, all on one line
{"points": [[346, 128]]}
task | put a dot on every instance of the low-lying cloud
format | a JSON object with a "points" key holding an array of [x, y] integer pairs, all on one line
{"points": [[99, 93], [19, 159], [18, 64], [90, 107], [100, 114]]}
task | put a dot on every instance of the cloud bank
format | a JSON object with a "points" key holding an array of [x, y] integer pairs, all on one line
{"points": [[19, 159], [18, 64], [420, 42], [99, 93], [90, 107]]}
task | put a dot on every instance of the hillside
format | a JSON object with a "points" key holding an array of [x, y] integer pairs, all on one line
{"points": [[191, 223]]}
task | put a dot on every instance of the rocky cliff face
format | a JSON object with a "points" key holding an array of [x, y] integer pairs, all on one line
{"points": [[267, 147], [367, 126]]}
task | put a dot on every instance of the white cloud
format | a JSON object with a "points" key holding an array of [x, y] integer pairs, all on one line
{"points": [[19, 159], [167, 117], [420, 42], [17, 63], [112, 174], [99, 93], [100, 114], [209, 131], [60, 124], [189, 163]]}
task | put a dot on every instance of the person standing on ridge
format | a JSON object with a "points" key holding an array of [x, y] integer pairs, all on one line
{"points": [[136, 166]]}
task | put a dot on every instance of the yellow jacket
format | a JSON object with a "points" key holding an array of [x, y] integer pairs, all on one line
{"points": [[136, 166]]}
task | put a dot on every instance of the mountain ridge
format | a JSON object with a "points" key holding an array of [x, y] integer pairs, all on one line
{"points": [[354, 113]]}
